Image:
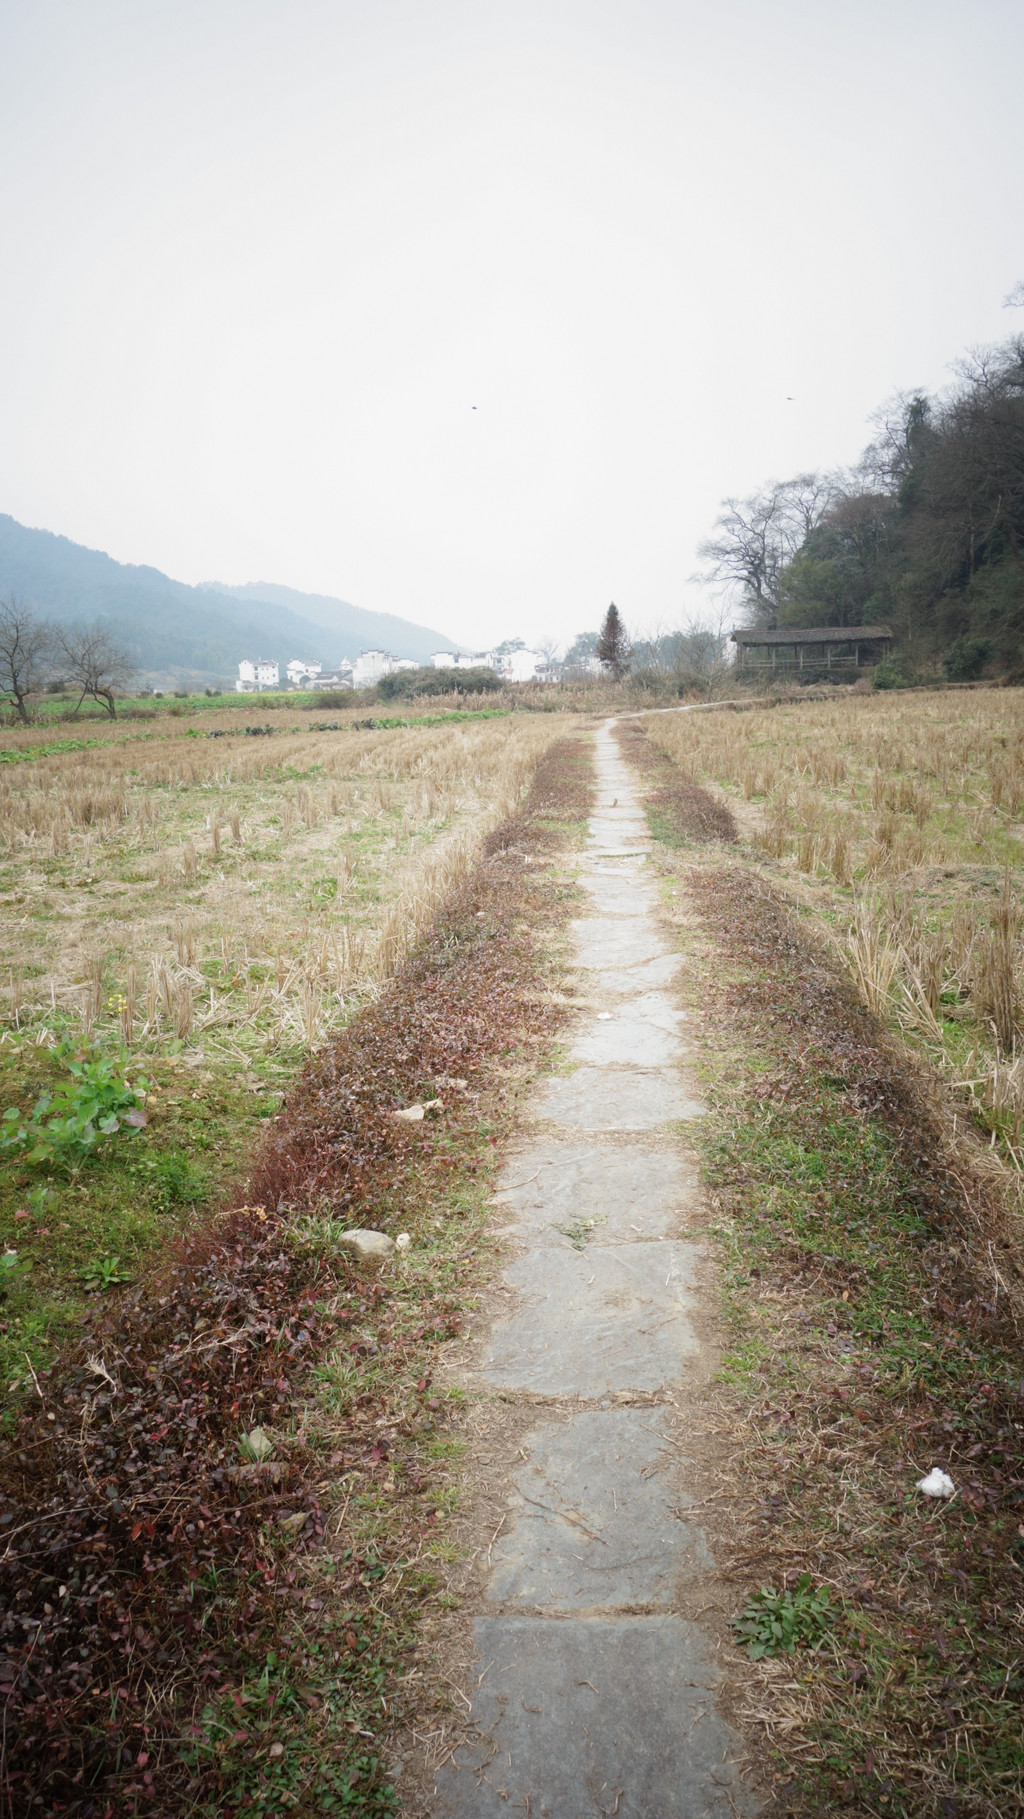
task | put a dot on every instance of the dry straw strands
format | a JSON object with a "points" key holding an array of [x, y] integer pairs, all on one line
{"points": [[380, 826], [913, 803]]}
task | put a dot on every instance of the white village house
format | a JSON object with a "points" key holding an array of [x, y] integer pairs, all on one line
{"points": [[313, 675], [511, 666], [257, 673], [338, 678], [302, 675], [370, 666]]}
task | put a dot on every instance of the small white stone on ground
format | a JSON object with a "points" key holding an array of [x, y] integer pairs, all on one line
{"points": [[403, 1241], [369, 1249], [937, 1484]]}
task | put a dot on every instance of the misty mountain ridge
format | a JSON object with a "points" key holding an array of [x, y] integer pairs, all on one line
{"points": [[183, 636]]}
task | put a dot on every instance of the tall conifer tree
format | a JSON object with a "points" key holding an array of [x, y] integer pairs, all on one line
{"points": [[613, 648]]}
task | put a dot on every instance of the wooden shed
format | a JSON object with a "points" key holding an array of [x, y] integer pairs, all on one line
{"points": [[819, 648]]}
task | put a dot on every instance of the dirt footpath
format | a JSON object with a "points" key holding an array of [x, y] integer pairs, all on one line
{"points": [[596, 1689]]}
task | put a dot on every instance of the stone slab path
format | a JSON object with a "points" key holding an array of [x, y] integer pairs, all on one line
{"points": [[592, 1694]]}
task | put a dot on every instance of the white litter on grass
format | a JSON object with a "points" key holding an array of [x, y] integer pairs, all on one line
{"points": [[937, 1484], [604, 1016], [403, 1241]]}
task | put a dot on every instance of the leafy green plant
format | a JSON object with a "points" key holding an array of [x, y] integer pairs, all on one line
{"points": [[104, 1273], [66, 1126], [779, 1622]]}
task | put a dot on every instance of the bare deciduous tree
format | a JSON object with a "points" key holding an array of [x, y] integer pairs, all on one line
{"points": [[549, 649], [96, 664], [693, 659], [25, 644], [756, 537]]}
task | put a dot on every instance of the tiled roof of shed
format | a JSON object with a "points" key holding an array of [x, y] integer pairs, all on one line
{"points": [[822, 634]]}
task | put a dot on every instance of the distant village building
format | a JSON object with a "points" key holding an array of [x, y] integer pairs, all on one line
{"points": [[339, 678], [523, 666], [257, 674], [265, 674], [303, 675], [370, 666], [511, 666]]}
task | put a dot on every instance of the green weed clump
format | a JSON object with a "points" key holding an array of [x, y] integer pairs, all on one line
{"points": [[67, 1125], [779, 1622], [104, 1273]]}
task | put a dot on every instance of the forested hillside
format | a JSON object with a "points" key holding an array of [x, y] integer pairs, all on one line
{"points": [[926, 532], [191, 635]]}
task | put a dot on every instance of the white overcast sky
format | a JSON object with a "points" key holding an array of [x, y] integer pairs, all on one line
{"points": [[261, 259]]}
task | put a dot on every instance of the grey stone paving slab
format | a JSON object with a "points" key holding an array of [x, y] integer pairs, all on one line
{"points": [[619, 895], [625, 1040], [655, 1008], [621, 941], [592, 1523], [583, 1717], [630, 883], [643, 1031], [648, 977], [614, 1317], [628, 1193], [616, 1099], [639, 851], [615, 824]]}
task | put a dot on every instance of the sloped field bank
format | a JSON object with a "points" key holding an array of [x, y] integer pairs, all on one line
{"points": [[677, 807], [217, 1507], [192, 920], [899, 818], [874, 1293], [874, 1340]]}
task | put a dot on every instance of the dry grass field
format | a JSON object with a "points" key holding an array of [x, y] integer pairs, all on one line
{"points": [[194, 914], [899, 819], [225, 1494], [846, 877]]}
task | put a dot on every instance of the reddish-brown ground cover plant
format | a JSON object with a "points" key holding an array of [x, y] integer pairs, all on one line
{"points": [[678, 807], [161, 1630]]}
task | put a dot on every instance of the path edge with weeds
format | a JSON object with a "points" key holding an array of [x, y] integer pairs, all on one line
{"points": [[872, 1293], [203, 1498]]}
